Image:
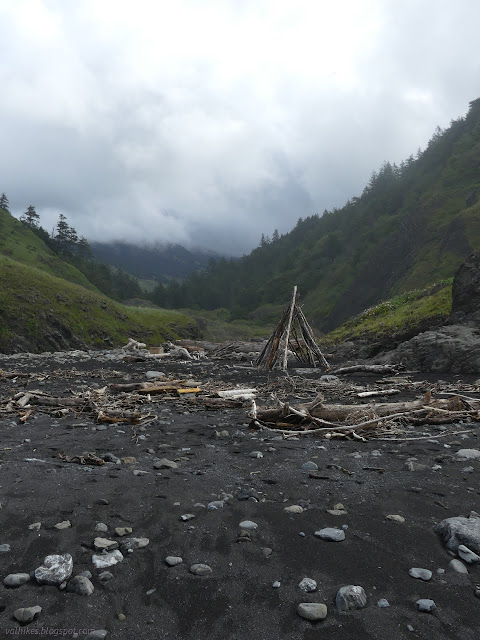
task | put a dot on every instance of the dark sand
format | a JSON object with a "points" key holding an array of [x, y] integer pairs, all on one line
{"points": [[236, 601]]}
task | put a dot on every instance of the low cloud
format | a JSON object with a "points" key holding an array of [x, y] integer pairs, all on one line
{"points": [[211, 123]]}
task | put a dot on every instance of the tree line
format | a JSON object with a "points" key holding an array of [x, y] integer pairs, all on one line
{"points": [[74, 249]]}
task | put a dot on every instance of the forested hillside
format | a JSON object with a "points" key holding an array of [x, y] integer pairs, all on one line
{"points": [[160, 263], [411, 226]]}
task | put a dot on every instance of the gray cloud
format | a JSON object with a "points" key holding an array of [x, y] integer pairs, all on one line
{"points": [[210, 123]]}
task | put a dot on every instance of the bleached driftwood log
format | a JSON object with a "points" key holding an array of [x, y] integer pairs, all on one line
{"points": [[349, 418], [379, 392], [367, 368], [176, 351], [243, 394], [134, 345]]}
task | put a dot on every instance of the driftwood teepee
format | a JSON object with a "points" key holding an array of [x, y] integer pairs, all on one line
{"points": [[291, 333]]}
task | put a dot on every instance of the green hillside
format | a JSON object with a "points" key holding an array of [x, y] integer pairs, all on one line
{"points": [[47, 304], [21, 244], [412, 226], [40, 312]]}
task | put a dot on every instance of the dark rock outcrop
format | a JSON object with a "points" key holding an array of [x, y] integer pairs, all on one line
{"points": [[454, 348], [466, 286], [450, 349]]}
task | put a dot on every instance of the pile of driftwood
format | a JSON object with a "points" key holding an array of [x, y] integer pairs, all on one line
{"points": [[292, 335], [351, 420], [130, 403]]}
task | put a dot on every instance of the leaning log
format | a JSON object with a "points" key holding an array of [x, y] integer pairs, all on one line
{"points": [[367, 368], [340, 413]]}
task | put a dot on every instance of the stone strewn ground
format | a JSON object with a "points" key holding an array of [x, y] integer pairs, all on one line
{"points": [[420, 482]]}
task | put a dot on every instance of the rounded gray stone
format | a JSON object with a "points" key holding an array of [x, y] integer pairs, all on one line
{"points": [[350, 597], [172, 561], [458, 566], [330, 534], [16, 579], [312, 611], [26, 614], [105, 576], [383, 603], [309, 466], [81, 585], [426, 605], [248, 524], [216, 504], [165, 463], [469, 454], [421, 574], [294, 508], [200, 569]]}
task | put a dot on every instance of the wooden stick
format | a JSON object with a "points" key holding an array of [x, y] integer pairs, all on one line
{"points": [[289, 325]]}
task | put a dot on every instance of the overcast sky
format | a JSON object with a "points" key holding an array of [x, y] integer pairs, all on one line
{"points": [[211, 122]]}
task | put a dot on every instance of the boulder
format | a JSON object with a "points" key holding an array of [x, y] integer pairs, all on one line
{"points": [[460, 531]]}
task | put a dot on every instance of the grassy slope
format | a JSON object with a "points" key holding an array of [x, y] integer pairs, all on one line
{"points": [[32, 303], [405, 313], [21, 244]]}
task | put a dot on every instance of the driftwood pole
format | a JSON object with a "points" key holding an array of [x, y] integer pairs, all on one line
{"points": [[289, 326]]}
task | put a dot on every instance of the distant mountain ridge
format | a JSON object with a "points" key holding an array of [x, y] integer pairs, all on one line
{"points": [[161, 262]]}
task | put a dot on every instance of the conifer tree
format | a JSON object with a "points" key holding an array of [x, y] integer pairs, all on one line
{"points": [[4, 202], [30, 218]]}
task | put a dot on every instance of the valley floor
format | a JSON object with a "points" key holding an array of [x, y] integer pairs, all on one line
{"points": [[145, 598]]}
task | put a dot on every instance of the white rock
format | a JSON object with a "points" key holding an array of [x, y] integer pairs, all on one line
{"points": [[107, 559], [307, 584], [55, 569], [468, 454], [350, 597]]}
